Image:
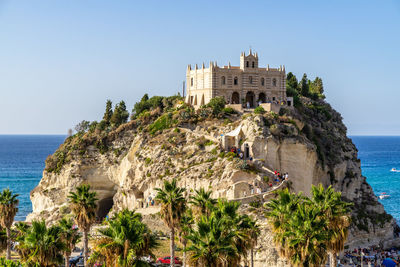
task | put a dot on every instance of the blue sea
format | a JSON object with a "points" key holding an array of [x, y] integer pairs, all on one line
{"points": [[22, 162], [378, 156]]}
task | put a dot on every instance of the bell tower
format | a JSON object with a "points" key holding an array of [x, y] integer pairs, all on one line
{"points": [[249, 62]]}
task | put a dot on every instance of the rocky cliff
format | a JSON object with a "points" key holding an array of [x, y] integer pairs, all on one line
{"points": [[124, 165]]}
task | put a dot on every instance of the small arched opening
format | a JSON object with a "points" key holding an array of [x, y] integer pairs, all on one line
{"points": [[202, 102], [235, 98], [235, 81], [261, 98], [250, 99], [223, 81], [103, 207]]}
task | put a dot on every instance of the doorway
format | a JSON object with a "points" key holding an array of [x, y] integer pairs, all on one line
{"points": [[250, 99]]}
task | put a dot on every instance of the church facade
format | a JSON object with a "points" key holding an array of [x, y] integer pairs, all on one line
{"points": [[247, 85]]}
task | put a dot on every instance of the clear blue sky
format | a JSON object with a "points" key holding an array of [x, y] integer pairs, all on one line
{"points": [[61, 60]]}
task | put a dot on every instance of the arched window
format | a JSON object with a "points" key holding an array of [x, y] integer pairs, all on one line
{"points": [[252, 64], [274, 82], [247, 64], [250, 79], [191, 81], [262, 81], [223, 80], [235, 81]]}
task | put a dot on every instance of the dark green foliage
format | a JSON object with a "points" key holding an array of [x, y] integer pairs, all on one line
{"points": [[304, 86], [93, 126], [228, 110], [108, 113], [102, 125], [291, 82], [217, 104], [255, 204], [317, 88], [313, 89], [148, 104], [292, 89], [120, 114]]}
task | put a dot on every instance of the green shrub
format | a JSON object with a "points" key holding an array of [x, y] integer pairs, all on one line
{"points": [[217, 104], [255, 204], [228, 110], [208, 143], [230, 155], [147, 161], [9, 263], [162, 123], [266, 179], [259, 110]]}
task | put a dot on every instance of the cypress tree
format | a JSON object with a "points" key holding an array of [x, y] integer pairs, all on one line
{"points": [[304, 86], [108, 113]]}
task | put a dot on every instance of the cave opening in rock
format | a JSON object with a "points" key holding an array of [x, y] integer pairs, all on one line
{"points": [[104, 206]]}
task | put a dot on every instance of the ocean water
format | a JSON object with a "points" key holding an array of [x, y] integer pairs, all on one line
{"points": [[379, 154], [22, 162]]}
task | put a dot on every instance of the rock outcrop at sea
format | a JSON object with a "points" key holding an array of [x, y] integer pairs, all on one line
{"points": [[309, 143]]}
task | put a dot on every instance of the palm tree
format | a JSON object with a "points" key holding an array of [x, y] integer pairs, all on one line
{"points": [[184, 229], [8, 210], [125, 240], [306, 237], [173, 205], [252, 230], [69, 236], [336, 213], [83, 206], [211, 244], [43, 245], [235, 224], [20, 229], [279, 211], [202, 202]]}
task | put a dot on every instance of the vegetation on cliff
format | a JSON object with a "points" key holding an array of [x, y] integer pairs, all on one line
{"points": [[164, 120], [306, 230]]}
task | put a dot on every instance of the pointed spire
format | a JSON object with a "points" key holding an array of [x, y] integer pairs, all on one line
{"points": [[256, 55], [189, 67], [196, 67], [268, 67], [202, 66], [229, 65], [250, 51], [216, 65], [283, 67]]}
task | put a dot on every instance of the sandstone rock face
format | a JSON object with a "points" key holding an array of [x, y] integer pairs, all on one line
{"points": [[192, 155]]}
